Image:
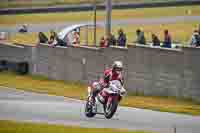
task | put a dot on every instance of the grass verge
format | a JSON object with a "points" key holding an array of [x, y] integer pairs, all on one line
{"points": [[22, 127], [7, 20], [77, 90]]}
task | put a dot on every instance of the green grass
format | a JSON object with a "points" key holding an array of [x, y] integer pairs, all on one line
{"points": [[43, 85], [77, 90], [88, 16], [22, 127], [23, 3], [181, 32]]}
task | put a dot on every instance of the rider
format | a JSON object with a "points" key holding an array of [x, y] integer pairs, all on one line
{"points": [[114, 73]]}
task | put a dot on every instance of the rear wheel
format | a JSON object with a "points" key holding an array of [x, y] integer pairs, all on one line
{"points": [[89, 109], [110, 108]]}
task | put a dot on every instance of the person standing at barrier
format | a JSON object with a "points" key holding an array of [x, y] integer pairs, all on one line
{"points": [[103, 42], [53, 38], [195, 39], [140, 37], [167, 43], [155, 40], [121, 41], [76, 38], [42, 37], [111, 40]]}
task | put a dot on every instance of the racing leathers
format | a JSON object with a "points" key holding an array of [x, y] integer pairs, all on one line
{"points": [[109, 75]]}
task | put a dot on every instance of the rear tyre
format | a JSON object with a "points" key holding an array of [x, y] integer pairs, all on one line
{"points": [[89, 110], [110, 108]]}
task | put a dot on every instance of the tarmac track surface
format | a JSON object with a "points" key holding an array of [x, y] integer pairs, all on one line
{"points": [[60, 25], [32, 107]]}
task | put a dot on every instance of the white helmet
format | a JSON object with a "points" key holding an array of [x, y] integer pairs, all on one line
{"points": [[117, 66]]}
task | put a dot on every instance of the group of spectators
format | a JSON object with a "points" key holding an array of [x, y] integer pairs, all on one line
{"points": [[53, 39], [166, 43], [122, 39], [112, 41]]}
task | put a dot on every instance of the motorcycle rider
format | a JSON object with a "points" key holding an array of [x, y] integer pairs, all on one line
{"points": [[113, 73]]}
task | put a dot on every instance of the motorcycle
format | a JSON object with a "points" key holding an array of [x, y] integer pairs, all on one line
{"points": [[109, 97]]}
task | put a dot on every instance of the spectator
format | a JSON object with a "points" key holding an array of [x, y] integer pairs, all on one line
{"points": [[167, 43], [103, 42], [195, 40], [140, 37], [61, 42], [53, 37], [199, 29], [121, 41], [111, 40], [76, 38], [53, 42], [155, 40], [42, 38], [23, 29]]}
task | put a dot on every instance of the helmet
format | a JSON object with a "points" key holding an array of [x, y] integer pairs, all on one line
{"points": [[117, 66]]}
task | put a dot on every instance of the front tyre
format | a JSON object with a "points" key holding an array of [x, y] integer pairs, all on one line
{"points": [[110, 108], [89, 109]]}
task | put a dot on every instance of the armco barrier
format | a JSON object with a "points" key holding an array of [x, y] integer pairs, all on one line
{"points": [[148, 70]]}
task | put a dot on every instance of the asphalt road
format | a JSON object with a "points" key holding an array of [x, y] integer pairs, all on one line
{"points": [[32, 107], [89, 7], [58, 26]]}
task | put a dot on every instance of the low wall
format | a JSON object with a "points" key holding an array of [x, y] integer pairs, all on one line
{"points": [[80, 63], [18, 53], [191, 68], [147, 70], [155, 71]]}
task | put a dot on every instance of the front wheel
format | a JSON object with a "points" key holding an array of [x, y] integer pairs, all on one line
{"points": [[89, 109], [110, 108]]}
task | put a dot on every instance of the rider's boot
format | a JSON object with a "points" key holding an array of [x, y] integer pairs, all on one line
{"points": [[93, 95]]}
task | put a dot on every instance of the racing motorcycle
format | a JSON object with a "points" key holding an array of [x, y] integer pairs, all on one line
{"points": [[108, 99]]}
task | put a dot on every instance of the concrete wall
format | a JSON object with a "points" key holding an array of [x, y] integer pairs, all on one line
{"points": [[80, 63], [155, 71], [147, 70], [191, 67], [17, 54]]}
